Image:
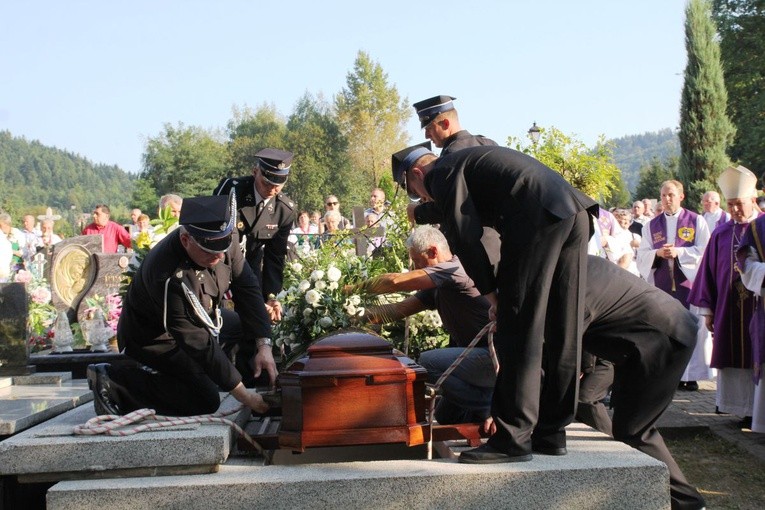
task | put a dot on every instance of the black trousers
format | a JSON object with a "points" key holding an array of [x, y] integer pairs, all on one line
{"points": [[642, 391], [540, 308], [172, 382], [593, 388]]}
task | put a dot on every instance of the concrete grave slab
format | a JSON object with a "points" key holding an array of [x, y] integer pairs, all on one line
{"points": [[23, 406], [598, 473]]}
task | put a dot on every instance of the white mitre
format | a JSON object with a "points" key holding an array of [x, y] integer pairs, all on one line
{"points": [[738, 182]]}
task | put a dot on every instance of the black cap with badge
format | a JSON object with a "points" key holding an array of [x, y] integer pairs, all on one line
{"points": [[403, 160], [274, 165], [429, 109], [210, 221]]}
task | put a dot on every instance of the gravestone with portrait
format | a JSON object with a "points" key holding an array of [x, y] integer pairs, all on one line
{"points": [[14, 309], [73, 271]]}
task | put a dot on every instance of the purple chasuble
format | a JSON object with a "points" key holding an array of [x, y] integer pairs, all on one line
{"points": [[670, 278], [718, 287], [757, 324]]}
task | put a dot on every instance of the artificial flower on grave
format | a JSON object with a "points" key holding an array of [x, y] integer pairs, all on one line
{"points": [[41, 314], [110, 305]]}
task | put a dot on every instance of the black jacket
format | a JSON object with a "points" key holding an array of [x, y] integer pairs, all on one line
{"points": [[156, 307], [265, 234]]}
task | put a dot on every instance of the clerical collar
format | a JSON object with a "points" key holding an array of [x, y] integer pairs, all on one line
{"points": [[673, 215]]}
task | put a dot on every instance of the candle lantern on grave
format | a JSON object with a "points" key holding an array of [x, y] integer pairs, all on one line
{"points": [[62, 338], [38, 265]]}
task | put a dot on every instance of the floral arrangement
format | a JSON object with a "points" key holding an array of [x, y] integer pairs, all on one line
{"points": [[315, 304], [42, 314], [110, 305]]}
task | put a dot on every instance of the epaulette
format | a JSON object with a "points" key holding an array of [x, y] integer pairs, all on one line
{"points": [[286, 200]]}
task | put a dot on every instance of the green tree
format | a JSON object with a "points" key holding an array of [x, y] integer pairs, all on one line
{"points": [[372, 116], [705, 130], [653, 174], [741, 25], [590, 170], [321, 164], [250, 131], [145, 197], [620, 197], [188, 161]]}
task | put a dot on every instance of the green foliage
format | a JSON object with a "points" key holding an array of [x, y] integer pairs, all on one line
{"points": [[633, 152], [33, 177], [741, 26], [620, 197], [705, 130], [321, 164], [250, 131], [652, 175], [590, 170], [145, 197], [188, 161], [373, 117]]}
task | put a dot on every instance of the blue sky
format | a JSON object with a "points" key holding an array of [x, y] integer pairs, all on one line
{"points": [[98, 78]]}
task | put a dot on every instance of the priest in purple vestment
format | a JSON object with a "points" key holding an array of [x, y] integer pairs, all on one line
{"points": [[726, 305]]}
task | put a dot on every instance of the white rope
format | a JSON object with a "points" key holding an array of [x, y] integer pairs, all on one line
{"points": [[113, 425]]}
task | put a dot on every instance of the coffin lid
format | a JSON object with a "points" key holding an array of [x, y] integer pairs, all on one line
{"points": [[350, 352]]}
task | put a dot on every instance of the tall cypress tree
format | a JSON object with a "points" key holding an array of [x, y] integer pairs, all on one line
{"points": [[705, 130]]}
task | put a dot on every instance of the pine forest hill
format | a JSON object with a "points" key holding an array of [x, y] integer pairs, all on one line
{"points": [[34, 176]]}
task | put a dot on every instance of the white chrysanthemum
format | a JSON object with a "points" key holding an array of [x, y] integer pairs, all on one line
{"points": [[312, 297], [297, 266], [332, 286], [304, 285], [355, 300], [333, 274], [307, 312], [325, 322], [317, 275], [351, 309], [320, 285]]}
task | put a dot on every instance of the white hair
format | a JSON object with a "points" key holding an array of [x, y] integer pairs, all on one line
{"points": [[426, 236]]}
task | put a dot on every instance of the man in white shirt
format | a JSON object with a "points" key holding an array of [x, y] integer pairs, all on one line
{"points": [[713, 213]]}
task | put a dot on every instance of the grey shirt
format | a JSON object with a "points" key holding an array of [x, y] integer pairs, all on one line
{"points": [[463, 310]]}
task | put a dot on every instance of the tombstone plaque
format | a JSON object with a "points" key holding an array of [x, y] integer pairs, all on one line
{"points": [[107, 279], [14, 309], [73, 270]]}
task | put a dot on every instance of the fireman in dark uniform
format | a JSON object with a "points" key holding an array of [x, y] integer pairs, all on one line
{"points": [[441, 123], [265, 219], [171, 319]]}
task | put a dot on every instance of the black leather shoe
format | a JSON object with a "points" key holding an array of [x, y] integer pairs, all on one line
{"points": [[691, 386], [104, 398], [487, 454], [549, 450]]}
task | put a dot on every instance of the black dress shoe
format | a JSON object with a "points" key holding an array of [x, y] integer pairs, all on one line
{"points": [[104, 398], [487, 454], [549, 450], [746, 423], [691, 386]]}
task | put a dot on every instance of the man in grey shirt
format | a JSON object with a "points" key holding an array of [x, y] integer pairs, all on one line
{"points": [[443, 285]]}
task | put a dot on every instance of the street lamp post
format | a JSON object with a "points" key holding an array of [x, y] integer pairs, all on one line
{"points": [[534, 133]]}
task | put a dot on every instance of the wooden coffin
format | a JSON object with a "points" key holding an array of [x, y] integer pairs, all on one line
{"points": [[352, 389]]}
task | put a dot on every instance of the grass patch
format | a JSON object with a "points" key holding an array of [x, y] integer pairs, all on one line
{"points": [[726, 475]]}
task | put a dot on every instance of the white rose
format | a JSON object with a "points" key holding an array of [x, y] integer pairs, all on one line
{"points": [[320, 285], [325, 322], [304, 285], [350, 309], [312, 297], [355, 300], [333, 274], [332, 286], [297, 266], [317, 275]]}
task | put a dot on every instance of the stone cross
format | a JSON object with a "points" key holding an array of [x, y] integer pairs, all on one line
{"points": [[49, 215]]}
